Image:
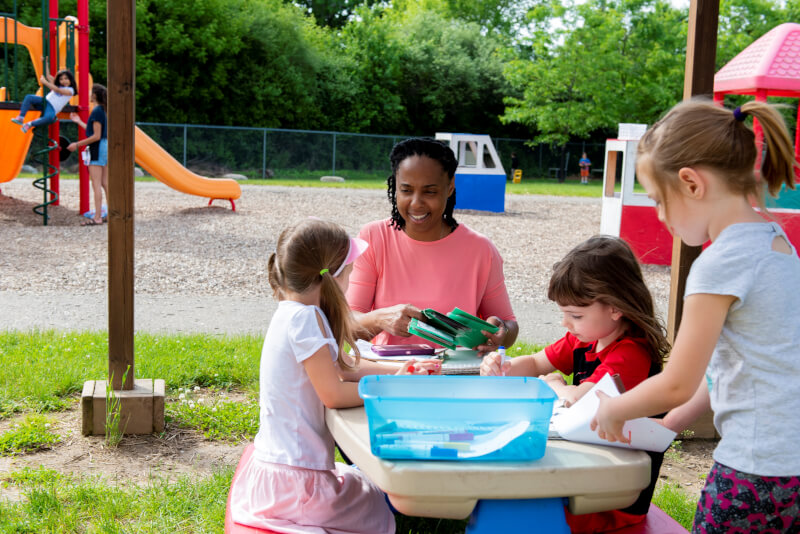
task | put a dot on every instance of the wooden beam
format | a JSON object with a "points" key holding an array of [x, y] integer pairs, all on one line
{"points": [[121, 47], [701, 53]]}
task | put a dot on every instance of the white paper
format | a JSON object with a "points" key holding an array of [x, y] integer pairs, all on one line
{"points": [[573, 423]]}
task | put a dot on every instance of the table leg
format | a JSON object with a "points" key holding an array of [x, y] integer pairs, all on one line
{"points": [[518, 515]]}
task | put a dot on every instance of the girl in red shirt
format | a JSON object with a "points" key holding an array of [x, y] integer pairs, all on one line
{"points": [[611, 328]]}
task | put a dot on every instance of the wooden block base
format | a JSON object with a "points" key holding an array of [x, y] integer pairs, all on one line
{"points": [[141, 412], [703, 427]]}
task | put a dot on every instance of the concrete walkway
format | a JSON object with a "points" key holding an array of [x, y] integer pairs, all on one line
{"points": [[539, 323]]}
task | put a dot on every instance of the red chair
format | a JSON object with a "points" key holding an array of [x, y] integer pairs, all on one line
{"points": [[656, 522], [230, 526]]}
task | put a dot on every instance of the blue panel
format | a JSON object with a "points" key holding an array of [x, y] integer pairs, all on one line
{"points": [[485, 192], [523, 515]]}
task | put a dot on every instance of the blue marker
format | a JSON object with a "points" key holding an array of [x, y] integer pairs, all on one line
{"points": [[424, 436], [413, 450]]}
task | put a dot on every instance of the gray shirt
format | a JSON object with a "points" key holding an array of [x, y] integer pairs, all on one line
{"points": [[755, 367]]}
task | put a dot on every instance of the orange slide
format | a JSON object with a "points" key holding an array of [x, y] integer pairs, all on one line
{"points": [[157, 161], [14, 144]]}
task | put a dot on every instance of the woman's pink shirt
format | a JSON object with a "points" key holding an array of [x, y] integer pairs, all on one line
{"points": [[463, 269]]}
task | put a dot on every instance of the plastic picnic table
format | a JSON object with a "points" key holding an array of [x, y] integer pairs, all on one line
{"points": [[499, 496]]}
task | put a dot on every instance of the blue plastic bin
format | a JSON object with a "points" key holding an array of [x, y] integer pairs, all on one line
{"points": [[457, 417]]}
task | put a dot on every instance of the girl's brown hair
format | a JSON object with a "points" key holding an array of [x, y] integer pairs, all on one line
{"points": [[304, 251], [603, 269], [699, 133]]}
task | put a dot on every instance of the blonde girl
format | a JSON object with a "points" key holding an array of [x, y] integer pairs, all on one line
{"points": [[291, 482], [740, 318], [612, 329]]}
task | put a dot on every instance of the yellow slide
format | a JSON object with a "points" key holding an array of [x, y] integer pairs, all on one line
{"points": [[157, 161]]}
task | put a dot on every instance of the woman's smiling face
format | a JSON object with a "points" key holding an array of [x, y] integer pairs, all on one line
{"points": [[423, 188]]}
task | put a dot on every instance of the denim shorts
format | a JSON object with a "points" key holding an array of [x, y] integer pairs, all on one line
{"points": [[102, 154]]}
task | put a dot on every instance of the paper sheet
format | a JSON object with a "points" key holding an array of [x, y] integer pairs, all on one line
{"points": [[573, 423]]}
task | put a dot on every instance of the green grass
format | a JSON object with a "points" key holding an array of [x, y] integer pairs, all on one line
{"points": [[43, 371], [217, 419], [29, 435], [54, 502], [676, 503]]}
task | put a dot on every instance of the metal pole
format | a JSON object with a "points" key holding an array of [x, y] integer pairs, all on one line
{"points": [[334, 155], [264, 156], [184, 145]]}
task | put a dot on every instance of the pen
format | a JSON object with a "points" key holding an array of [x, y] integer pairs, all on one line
{"points": [[503, 358], [425, 436], [411, 450]]}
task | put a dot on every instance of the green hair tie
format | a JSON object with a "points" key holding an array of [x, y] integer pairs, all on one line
{"points": [[323, 271]]}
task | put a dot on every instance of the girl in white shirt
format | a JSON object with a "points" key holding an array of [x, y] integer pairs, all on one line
{"points": [[740, 320], [62, 89], [291, 482]]}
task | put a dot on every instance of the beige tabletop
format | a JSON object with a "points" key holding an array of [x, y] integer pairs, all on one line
{"points": [[593, 477]]}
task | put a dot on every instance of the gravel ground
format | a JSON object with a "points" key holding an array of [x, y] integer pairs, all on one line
{"points": [[210, 263]]}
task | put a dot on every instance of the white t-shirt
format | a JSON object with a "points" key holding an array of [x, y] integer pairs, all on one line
{"points": [[755, 367], [292, 427], [58, 101]]}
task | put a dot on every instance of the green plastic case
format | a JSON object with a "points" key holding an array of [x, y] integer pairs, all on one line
{"points": [[457, 328]]}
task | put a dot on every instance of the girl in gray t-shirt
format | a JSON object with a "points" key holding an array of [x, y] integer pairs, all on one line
{"points": [[740, 320]]}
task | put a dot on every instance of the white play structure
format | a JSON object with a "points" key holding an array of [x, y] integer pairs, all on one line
{"points": [[480, 177]]}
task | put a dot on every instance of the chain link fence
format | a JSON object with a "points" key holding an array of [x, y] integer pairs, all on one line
{"points": [[216, 151]]}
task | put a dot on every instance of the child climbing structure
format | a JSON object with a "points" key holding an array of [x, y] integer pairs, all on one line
{"points": [[14, 144]]}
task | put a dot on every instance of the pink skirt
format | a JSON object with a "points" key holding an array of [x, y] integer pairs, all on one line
{"points": [[297, 500]]}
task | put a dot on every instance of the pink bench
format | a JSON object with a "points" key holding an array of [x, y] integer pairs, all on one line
{"points": [[230, 526], [657, 522]]}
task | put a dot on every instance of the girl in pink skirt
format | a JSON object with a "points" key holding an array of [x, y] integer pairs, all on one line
{"points": [[291, 482]]}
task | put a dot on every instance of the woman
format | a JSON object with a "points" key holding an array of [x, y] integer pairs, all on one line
{"points": [[422, 258], [97, 139]]}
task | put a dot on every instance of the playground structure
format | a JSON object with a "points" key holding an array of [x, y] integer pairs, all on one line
{"points": [[480, 177], [69, 39], [770, 66]]}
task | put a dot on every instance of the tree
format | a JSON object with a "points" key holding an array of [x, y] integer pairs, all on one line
{"points": [[332, 13], [593, 65]]}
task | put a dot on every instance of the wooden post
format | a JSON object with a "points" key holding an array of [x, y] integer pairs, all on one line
{"points": [[121, 43], [701, 52]]}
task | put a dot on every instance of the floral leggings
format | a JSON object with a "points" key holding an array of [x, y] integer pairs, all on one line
{"points": [[737, 502]]}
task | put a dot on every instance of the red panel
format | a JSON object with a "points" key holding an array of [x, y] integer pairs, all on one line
{"points": [[647, 236], [790, 221], [656, 522]]}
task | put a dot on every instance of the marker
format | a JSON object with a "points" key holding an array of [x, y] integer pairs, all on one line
{"points": [[425, 436], [412, 450], [503, 358]]}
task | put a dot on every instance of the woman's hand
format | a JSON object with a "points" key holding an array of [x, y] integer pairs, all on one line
{"points": [[413, 367], [72, 147], [607, 425], [395, 319], [493, 340], [74, 117], [493, 365]]}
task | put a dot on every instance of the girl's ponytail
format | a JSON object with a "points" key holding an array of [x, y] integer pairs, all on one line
{"points": [[334, 305], [779, 163], [274, 276]]}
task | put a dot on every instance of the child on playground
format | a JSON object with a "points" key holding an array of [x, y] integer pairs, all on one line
{"points": [[97, 141], [611, 328], [291, 482], [62, 89], [740, 319], [585, 164]]}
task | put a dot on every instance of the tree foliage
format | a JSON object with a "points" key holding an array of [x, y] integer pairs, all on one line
{"points": [[554, 70], [590, 66]]}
